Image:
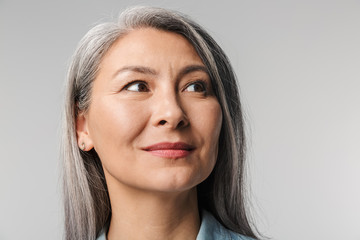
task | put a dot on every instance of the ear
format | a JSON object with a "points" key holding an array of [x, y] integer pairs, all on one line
{"points": [[84, 140]]}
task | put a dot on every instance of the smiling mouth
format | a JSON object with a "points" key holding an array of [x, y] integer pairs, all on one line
{"points": [[170, 150]]}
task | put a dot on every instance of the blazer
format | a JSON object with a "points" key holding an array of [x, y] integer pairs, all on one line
{"points": [[210, 229]]}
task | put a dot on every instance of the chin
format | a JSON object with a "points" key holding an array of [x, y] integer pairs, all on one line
{"points": [[178, 181]]}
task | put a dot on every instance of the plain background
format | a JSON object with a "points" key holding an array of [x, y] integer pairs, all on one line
{"points": [[298, 64]]}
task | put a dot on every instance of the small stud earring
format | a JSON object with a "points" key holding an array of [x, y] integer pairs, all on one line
{"points": [[83, 146]]}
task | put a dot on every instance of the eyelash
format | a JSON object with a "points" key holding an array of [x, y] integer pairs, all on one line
{"points": [[199, 82], [136, 82]]}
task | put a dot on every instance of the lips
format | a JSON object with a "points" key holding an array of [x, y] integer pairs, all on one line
{"points": [[170, 150]]}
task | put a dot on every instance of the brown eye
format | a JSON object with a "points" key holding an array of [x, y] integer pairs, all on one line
{"points": [[137, 87], [196, 87]]}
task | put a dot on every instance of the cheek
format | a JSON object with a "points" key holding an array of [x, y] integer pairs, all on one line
{"points": [[207, 121], [115, 124], [213, 127]]}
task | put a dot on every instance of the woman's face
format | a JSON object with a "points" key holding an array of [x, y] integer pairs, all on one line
{"points": [[153, 119]]}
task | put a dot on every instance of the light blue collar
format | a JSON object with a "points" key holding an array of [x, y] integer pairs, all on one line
{"points": [[211, 229]]}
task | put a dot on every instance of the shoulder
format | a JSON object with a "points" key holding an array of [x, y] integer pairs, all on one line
{"points": [[211, 229]]}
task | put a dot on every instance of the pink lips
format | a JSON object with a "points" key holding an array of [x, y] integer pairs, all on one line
{"points": [[170, 150]]}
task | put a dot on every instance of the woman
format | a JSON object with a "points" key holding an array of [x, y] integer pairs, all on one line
{"points": [[153, 146]]}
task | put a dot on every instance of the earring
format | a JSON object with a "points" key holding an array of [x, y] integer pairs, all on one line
{"points": [[82, 146]]}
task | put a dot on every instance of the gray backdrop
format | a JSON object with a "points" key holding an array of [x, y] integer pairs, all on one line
{"points": [[298, 67]]}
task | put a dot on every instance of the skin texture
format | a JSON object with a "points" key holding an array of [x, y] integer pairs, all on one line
{"points": [[152, 87]]}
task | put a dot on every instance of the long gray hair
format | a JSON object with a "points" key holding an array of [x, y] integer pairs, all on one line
{"points": [[86, 199]]}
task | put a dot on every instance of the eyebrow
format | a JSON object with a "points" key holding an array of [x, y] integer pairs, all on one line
{"points": [[192, 68], [146, 70], [138, 69]]}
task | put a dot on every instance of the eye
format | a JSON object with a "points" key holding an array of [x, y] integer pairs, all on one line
{"points": [[137, 86], [197, 86]]}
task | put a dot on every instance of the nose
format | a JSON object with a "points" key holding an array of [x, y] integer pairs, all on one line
{"points": [[168, 112]]}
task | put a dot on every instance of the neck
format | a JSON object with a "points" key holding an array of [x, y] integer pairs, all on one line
{"points": [[138, 214]]}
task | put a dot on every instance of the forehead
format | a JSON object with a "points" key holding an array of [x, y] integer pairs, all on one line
{"points": [[149, 45]]}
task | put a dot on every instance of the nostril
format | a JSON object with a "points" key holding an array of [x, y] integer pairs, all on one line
{"points": [[162, 122], [181, 123]]}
